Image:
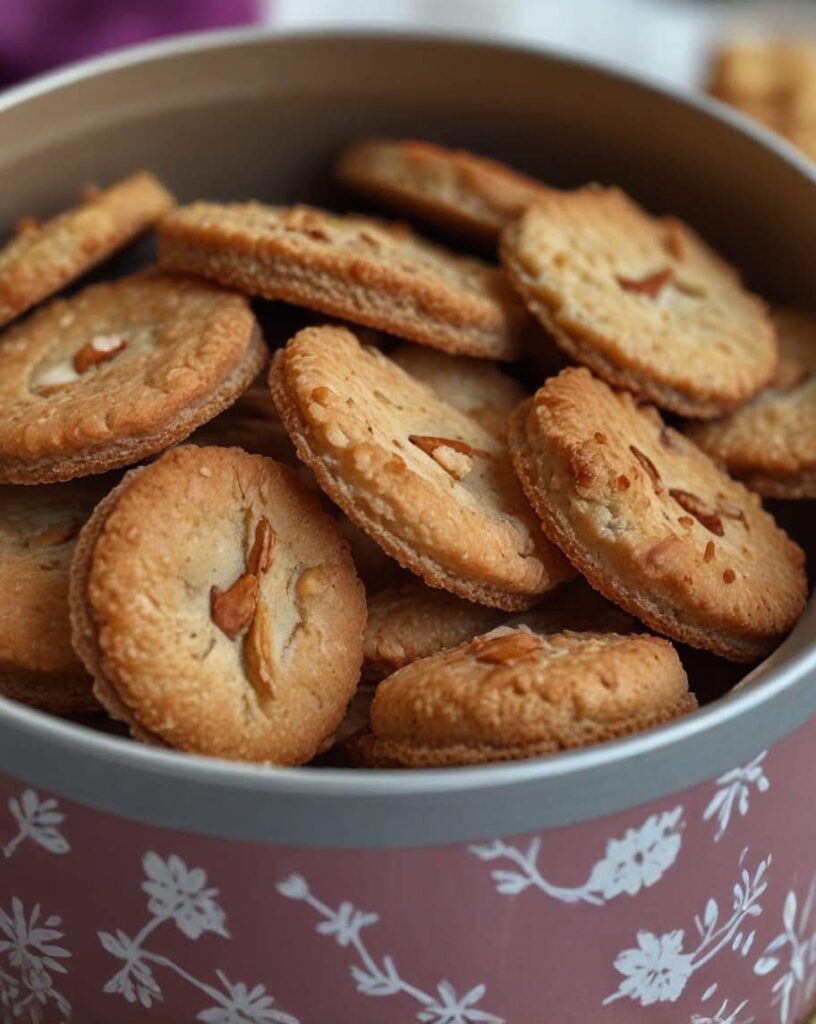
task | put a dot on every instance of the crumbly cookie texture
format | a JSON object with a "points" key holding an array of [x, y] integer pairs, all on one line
{"points": [[770, 442], [467, 194], [38, 532], [433, 488], [174, 352], [228, 623], [366, 271], [642, 301], [652, 522], [474, 386], [511, 694], [412, 621], [42, 258]]}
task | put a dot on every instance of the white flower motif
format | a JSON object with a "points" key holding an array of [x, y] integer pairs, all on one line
{"points": [[452, 1010], [135, 980], [31, 951], [179, 893], [37, 820], [734, 789], [345, 925], [795, 988], [244, 1006], [723, 1015], [640, 858], [636, 861], [294, 887], [657, 971]]}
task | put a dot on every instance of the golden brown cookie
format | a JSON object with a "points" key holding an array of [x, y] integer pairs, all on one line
{"points": [[641, 300], [38, 531], [43, 258], [770, 443], [411, 621], [217, 607], [474, 386], [651, 521], [434, 489], [454, 189], [511, 694], [118, 372], [363, 270]]}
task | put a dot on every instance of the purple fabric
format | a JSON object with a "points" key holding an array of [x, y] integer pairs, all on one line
{"points": [[37, 35]]}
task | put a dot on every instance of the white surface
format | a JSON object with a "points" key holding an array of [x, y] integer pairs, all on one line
{"points": [[668, 40]]}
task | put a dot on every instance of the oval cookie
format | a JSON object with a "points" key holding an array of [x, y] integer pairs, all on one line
{"points": [[45, 257], [770, 442], [217, 608], [651, 521], [118, 372], [426, 482], [511, 694], [454, 189], [366, 271], [642, 301]]}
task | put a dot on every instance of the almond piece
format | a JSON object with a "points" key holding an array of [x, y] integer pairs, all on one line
{"points": [[260, 557], [503, 650], [233, 610], [100, 349], [649, 467], [428, 444], [698, 508], [651, 284], [258, 653]]}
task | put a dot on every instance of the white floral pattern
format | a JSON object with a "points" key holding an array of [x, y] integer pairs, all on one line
{"points": [[793, 991], [180, 895], [734, 792], [383, 979], [723, 1015], [659, 967], [36, 820], [638, 860], [28, 944]]}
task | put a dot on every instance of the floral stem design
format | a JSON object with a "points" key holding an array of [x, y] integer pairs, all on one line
{"points": [[637, 860], [794, 989], [29, 942], [374, 979], [37, 820], [734, 792]]}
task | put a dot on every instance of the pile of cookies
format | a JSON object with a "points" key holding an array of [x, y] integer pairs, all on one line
{"points": [[437, 525], [773, 81]]}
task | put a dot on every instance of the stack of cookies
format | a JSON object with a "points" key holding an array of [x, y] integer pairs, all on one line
{"points": [[444, 523]]}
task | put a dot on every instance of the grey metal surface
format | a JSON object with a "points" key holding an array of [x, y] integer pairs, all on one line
{"points": [[239, 115]]}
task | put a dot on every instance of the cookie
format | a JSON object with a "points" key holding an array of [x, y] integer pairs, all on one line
{"points": [[770, 442], [641, 300], [363, 270], [217, 608], [451, 188], [412, 621], [652, 522], [474, 386], [42, 258], [38, 531], [511, 694], [118, 372], [773, 81], [433, 488]]}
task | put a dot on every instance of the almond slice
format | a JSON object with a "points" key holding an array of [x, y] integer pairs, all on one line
{"points": [[100, 349], [502, 650], [697, 507], [428, 444], [233, 610], [649, 467], [651, 285], [260, 557]]}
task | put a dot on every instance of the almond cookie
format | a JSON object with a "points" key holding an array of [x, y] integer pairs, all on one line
{"points": [[42, 258], [642, 301], [412, 621], [474, 386], [217, 608], [433, 488], [511, 694], [468, 194], [367, 271], [770, 443], [118, 372], [38, 531], [651, 521]]}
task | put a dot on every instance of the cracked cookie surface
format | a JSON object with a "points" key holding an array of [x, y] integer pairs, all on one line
{"points": [[218, 609], [433, 488], [770, 442], [43, 258], [510, 694], [363, 270], [652, 522], [118, 372], [641, 300]]}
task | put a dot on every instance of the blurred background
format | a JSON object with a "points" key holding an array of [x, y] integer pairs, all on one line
{"points": [[668, 39]]}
